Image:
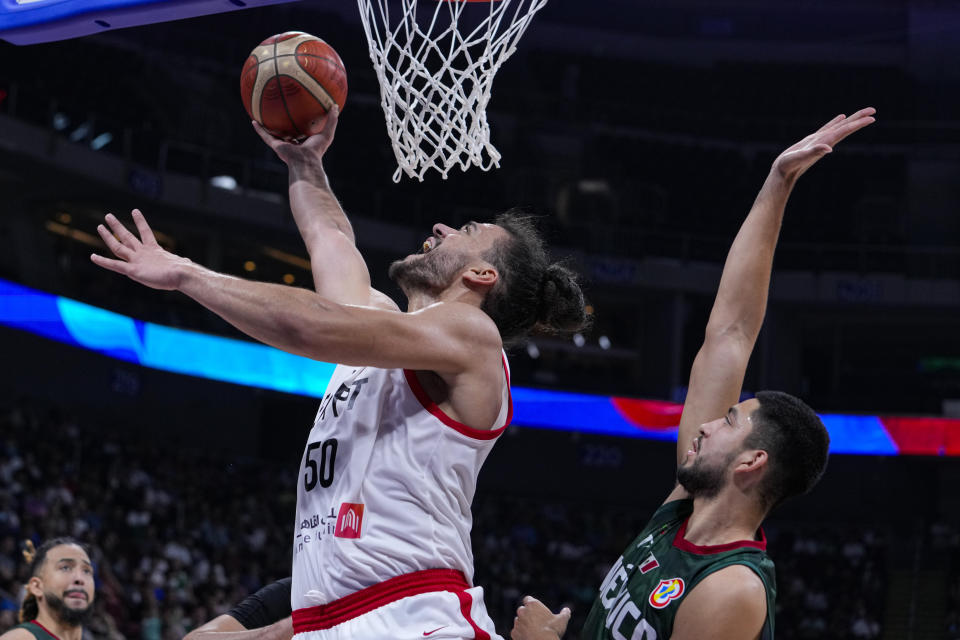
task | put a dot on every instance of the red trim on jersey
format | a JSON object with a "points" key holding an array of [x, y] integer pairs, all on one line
{"points": [[479, 434], [366, 600], [680, 543], [506, 373], [466, 602], [34, 621]]}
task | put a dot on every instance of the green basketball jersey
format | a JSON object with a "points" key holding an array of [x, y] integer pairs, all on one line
{"points": [[639, 597], [38, 631]]}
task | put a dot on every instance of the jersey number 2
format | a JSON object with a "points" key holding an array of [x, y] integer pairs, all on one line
{"points": [[322, 472]]}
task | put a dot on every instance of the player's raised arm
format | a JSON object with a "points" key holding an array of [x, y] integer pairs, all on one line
{"points": [[444, 337], [460, 309], [339, 271], [718, 370]]}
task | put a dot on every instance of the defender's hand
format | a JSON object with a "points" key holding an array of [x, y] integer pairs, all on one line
{"points": [[801, 156], [310, 150], [140, 259], [535, 621]]}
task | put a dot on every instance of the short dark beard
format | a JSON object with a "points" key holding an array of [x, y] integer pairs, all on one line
{"points": [[427, 272], [67, 615], [701, 481]]}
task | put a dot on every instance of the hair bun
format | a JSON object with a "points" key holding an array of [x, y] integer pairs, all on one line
{"points": [[29, 551], [532, 295], [561, 306]]}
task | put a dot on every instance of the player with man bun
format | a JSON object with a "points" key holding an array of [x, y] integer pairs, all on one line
{"points": [[382, 540]]}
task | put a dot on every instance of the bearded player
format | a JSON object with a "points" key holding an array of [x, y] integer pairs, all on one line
{"points": [[59, 593], [382, 541], [699, 569]]}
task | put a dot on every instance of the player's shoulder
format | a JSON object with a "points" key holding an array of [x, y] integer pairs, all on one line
{"points": [[730, 602], [737, 579], [736, 585], [465, 321], [18, 633]]}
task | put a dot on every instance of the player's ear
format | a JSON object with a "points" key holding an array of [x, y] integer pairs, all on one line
{"points": [[35, 586], [750, 469], [752, 462], [757, 458], [481, 276]]}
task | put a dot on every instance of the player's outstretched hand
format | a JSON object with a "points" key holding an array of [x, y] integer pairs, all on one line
{"points": [[535, 621], [140, 259], [310, 149], [801, 156]]}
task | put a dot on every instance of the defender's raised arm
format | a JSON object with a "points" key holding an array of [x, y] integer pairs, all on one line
{"points": [[718, 370]]}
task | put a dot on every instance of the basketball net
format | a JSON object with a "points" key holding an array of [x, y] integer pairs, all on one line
{"points": [[436, 73]]}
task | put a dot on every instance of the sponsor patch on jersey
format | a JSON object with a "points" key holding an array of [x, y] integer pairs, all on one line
{"points": [[349, 520], [666, 592]]}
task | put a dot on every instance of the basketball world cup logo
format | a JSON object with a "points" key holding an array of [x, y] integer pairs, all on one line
{"points": [[666, 592]]}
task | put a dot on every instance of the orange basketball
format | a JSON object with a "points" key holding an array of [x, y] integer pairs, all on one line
{"points": [[290, 81]]}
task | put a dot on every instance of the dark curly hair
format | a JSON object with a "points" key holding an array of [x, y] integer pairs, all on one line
{"points": [[796, 442], [532, 294]]}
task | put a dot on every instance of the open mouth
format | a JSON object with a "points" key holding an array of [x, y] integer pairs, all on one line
{"points": [[78, 595]]}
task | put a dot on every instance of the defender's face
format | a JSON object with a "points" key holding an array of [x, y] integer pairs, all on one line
{"points": [[67, 578], [724, 436], [708, 465]]}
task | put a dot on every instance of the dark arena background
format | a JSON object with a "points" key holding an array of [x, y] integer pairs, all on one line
{"points": [[640, 132]]}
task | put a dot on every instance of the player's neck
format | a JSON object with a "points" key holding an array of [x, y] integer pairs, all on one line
{"points": [[417, 300], [57, 628], [722, 520]]}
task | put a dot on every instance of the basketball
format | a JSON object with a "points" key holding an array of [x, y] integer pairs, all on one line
{"points": [[289, 83]]}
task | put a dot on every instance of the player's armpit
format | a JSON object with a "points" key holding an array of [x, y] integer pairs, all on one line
{"points": [[380, 300], [715, 382], [730, 604], [716, 379]]}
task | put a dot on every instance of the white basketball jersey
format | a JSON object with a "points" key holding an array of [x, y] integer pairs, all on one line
{"points": [[385, 485]]}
